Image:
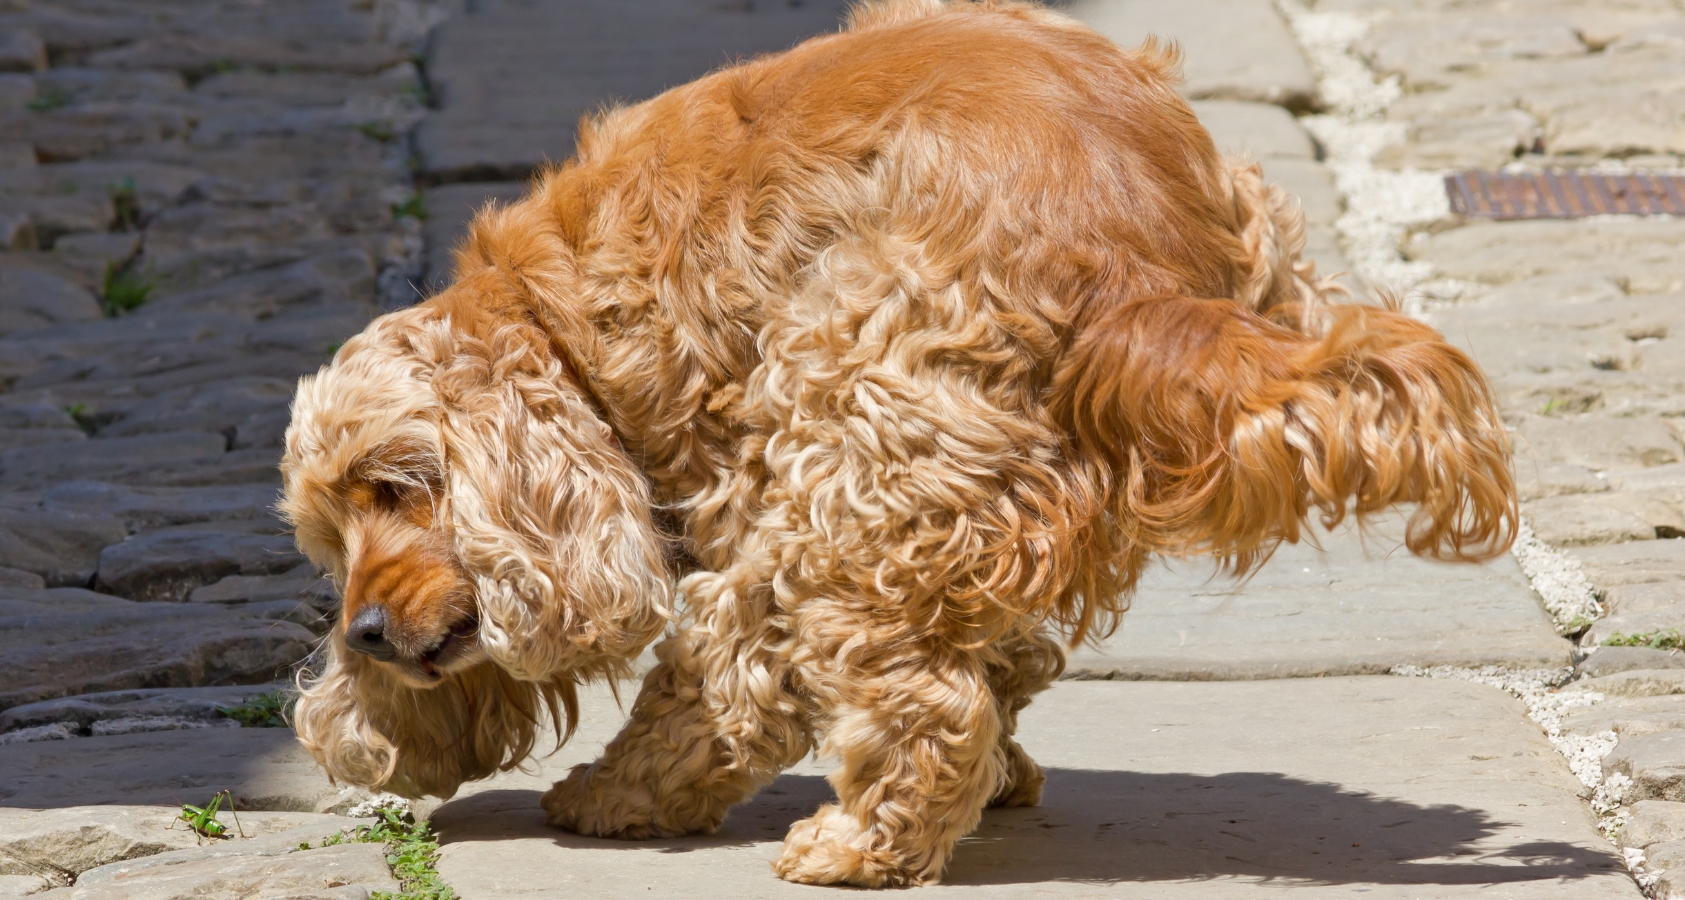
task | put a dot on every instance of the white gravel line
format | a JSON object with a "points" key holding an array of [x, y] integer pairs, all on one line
{"points": [[1382, 206], [55, 731], [373, 806], [1558, 579]]}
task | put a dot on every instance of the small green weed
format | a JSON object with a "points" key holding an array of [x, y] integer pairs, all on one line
{"points": [[380, 131], [411, 850], [334, 347], [124, 291], [1660, 639], [49, 101], [413, 207], [126, 203], [267, 710], [85, 416]]}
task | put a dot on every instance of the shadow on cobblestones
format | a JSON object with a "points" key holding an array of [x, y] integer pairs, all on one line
{"points": [[1114, 827]]}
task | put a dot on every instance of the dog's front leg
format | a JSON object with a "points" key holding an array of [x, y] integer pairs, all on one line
{"points": [[918, 732], [1024, 666], [713, 723]]}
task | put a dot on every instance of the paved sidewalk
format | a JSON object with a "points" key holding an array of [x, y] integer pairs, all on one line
{"points": [[1324, 787]]}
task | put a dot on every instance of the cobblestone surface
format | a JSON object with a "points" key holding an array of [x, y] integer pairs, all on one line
{"points": [[200, 199]]}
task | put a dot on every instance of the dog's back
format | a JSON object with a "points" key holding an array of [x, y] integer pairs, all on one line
{"points": [[1000, 180], [1009, 140]]}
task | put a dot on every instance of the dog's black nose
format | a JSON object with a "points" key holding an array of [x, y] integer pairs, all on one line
{"points": [[367, 634]]}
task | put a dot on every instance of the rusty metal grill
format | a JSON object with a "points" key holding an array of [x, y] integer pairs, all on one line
{"points": [[1564, 194]]}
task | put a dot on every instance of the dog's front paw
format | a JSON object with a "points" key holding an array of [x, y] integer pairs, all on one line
{"points": [[830, 848], [591, 801], [1024, 780], [588, 802]]}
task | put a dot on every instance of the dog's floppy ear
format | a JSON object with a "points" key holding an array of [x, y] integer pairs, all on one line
{"points": [[551, 519]]}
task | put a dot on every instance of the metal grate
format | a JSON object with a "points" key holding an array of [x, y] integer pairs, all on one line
{"points": [[1565, 194]]}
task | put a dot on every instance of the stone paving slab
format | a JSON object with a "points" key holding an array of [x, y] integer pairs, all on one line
{"points": [[72, 841], [514, 77], [265, 768], [343, 872], [1232, 49], [450, 208], [1350, 610], [1254, 130], [1642, 253], [1388, 787]]}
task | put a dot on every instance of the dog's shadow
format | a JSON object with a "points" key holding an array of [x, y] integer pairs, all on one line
{"points": [[1108, 827]]}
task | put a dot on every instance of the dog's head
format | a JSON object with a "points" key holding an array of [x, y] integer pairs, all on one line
{"points": [[493, 544]]}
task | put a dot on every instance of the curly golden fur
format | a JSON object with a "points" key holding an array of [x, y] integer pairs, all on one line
{"points": [[912, 344]]}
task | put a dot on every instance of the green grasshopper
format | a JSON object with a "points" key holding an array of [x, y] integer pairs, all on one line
{"points": [[202, 819]]}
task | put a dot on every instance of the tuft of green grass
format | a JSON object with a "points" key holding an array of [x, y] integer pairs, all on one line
{"points": [[124, 291], [85, 416], [411, 850], [413, 207], [127, 204], [50, 100], [380, 131], [266, 710], [1660, 639]]}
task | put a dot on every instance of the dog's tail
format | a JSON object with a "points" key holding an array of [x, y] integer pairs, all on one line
{"points": [[1274, 275], [1221, 429]]}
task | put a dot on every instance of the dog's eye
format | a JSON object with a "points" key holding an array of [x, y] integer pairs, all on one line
{"points": [[389, 495]]}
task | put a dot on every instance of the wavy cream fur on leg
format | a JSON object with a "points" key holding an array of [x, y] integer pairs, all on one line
{"points": [[921, 339]]}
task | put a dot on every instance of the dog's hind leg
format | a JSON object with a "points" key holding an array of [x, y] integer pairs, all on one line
{"points": [[713, 723], [1030, 663]]}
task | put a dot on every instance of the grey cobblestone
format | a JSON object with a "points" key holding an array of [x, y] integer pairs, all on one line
{"points": [[198, 203]]}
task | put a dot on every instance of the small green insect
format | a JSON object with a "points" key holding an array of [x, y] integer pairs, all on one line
{"points": [[202, 819]]}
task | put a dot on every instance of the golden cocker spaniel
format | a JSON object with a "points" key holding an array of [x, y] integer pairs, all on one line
{"points": [[867, 368]]}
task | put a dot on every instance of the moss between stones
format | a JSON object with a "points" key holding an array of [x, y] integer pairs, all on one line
{"points": [[1660, 639], [411, 851]]}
